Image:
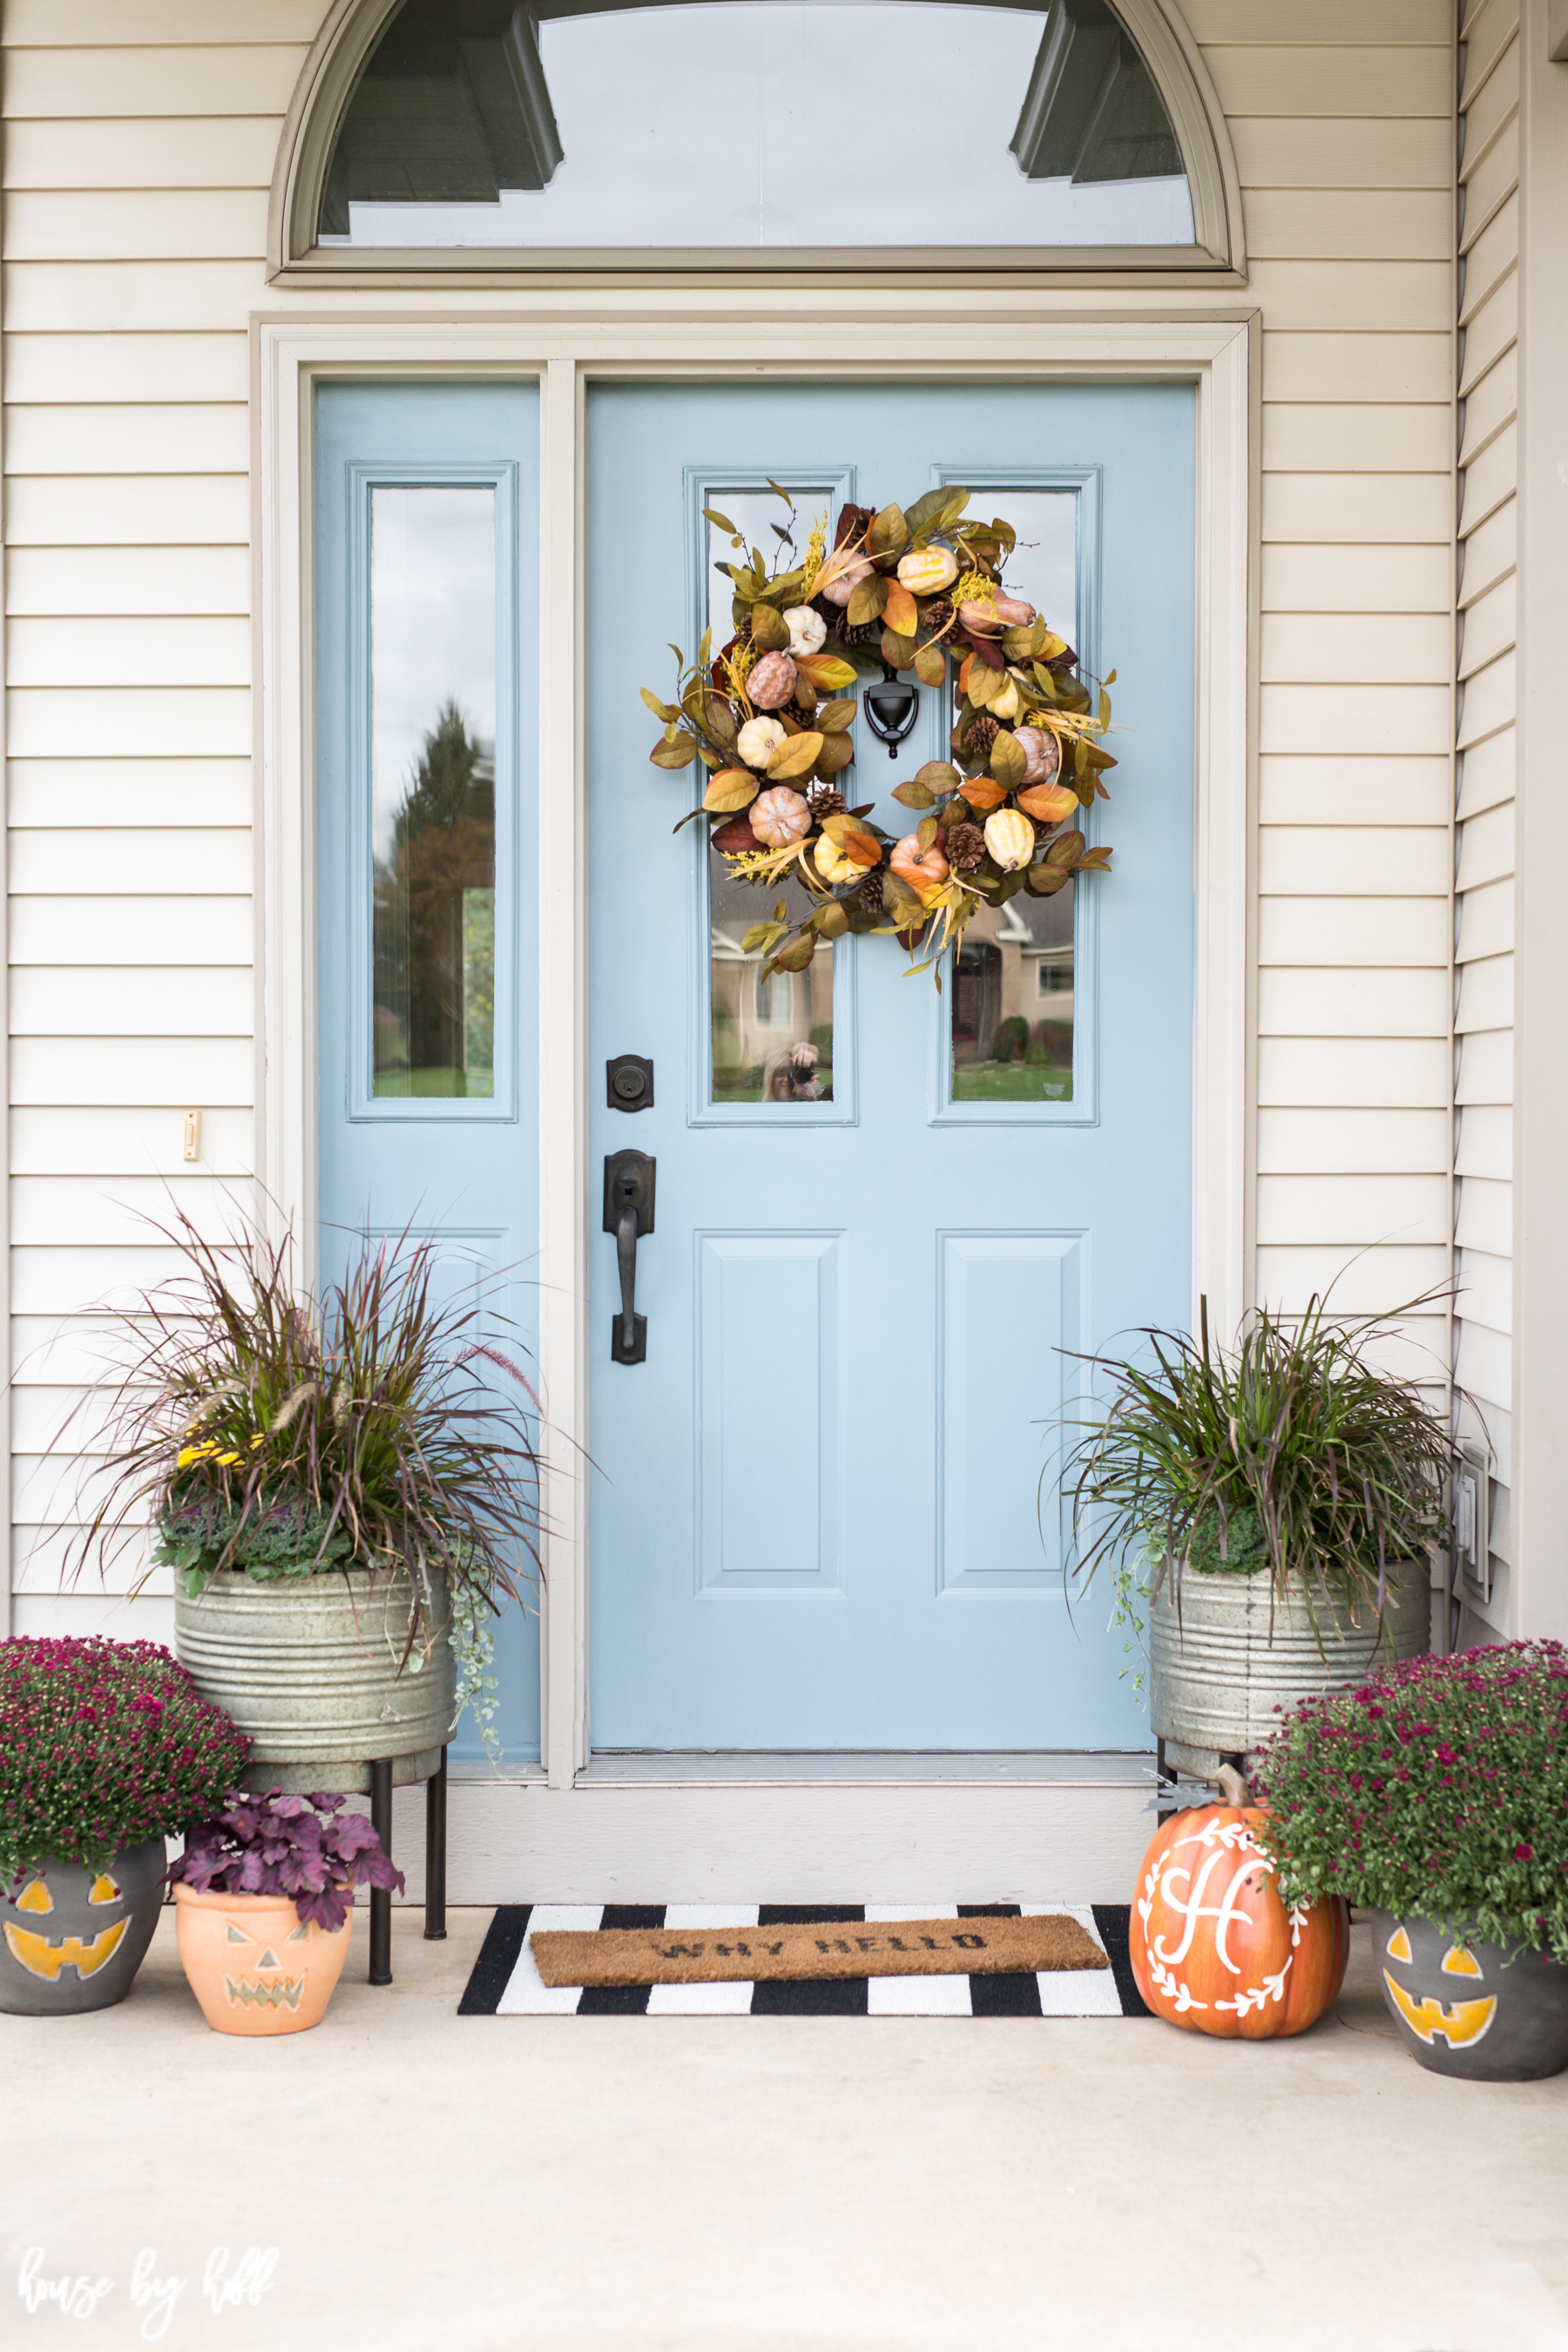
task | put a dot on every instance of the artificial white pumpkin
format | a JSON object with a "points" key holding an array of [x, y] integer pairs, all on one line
{"points": [[807, 629], [771, 683], [759, 739], [1008, 702], [1010, 839], [780, 816], [927, 571]]}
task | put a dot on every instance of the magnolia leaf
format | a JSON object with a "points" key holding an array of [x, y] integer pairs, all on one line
{"points": [[730, 789], [721, 522], [831, 922], [795, 756], [760, 938], [834, 717], [827, 672], [1045, 683], [1009, 763], [1066, 849], [938, 776], [925, 832], [1018, 644], [769, 628], [1044, 881], [705, 650], [899, 613], [659, 710], [1097, 859], [897, 651], [678, 754], [861, 847], [888, 534], [914, 796], [930, 666], [797, 955], [1097, 756], [1079, 756], [867, 599], [983, 794], [906, 907], [984, 684], [1104, 707], [836, 755], [924, 512]]}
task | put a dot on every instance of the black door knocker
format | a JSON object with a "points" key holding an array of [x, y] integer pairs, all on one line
{"points": [[892, 706]]}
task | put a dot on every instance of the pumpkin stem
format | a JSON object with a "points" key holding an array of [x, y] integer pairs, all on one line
{"points": [[1234, 1788]]}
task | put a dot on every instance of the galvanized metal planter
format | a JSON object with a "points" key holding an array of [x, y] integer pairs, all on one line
{"points": [[315, 1672], [1225, 1654]]}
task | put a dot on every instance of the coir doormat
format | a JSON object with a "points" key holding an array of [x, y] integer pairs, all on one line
{"points": [[1031, 1959]]}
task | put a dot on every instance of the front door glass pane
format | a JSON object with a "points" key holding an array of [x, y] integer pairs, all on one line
{"points": [[714, 125], [773, 1038], [433, 795], [1012, 989]]}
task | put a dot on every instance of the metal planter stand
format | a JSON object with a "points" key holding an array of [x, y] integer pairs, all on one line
{"points": [[380, 1972]]}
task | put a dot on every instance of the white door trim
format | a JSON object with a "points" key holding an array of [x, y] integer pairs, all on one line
{"points": [[753, 333]]}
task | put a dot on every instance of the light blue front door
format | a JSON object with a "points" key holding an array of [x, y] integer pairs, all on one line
{"points": [[426, 631], [880, 1211]]}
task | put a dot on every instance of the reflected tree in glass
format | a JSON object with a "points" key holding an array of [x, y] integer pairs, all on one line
{"points": [[435, 923]]}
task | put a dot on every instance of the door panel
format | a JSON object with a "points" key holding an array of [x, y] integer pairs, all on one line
{"points": [[427, 630], [819, 1518]]}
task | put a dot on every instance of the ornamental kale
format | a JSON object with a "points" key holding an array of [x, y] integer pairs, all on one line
{"points": [[102, 1745], [1437, 1790], [275, 1844]]}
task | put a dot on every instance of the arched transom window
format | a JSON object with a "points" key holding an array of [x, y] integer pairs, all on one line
{"points": [[925, 130]]}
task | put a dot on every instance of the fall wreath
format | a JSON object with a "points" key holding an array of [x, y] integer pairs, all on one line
{"points": [[770, 717]]}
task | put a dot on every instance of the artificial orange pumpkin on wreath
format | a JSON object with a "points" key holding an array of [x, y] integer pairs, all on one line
{"points": [[1214, 1947]]}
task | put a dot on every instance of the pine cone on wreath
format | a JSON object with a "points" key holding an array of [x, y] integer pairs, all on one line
{"points": [[861, 638], [980, 734], [936, 616], [822, 801], [965, 847], [869, 899]]}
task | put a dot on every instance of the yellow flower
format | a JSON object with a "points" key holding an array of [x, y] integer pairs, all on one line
{"points": [[228, 1461], [190, 1453], [259, 1439]]}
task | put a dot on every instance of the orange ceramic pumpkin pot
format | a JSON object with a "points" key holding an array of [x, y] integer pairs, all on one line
{"points": [[1212, 1946], [253, 1964]]}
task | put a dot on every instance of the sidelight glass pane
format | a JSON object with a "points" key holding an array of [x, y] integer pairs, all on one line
{"points": [[432, 789], [1012, 989], [482, 122], [773, 1038]]}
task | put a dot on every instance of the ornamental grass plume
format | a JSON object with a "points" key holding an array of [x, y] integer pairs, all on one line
{"points": [[1437, 1791], [102, 1745], [266, 1430]]}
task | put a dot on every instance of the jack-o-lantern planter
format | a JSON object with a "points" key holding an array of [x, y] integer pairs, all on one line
{"points": [[1213, 1948], [1468, 2008], [72, 1939], [254, 1966]]}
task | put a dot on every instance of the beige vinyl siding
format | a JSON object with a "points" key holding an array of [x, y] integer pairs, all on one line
{"points": [[140, 142], [1342, 121], [140, 145], [1487, 364]]}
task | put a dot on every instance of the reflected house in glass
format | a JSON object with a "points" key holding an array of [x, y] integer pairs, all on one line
{"points": [[572, 123]]}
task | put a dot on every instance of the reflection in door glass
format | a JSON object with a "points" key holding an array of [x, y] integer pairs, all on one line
{"points": [[433, 817], [1013, 990], [773, 1038], [1012, 1002]]}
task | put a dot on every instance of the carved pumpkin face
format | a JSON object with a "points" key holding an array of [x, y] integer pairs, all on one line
{"points": [[1456, 2009], [255, 1974], [1212, 1946], [73, 1938], [45, 1949], [253, 1963]]}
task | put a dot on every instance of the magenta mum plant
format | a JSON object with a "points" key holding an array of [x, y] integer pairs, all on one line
{"points": [[1437, 1791], [102, 1745], [275, 1844]]}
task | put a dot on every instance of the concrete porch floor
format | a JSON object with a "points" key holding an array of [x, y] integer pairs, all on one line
{"points": [[773, 2185]]}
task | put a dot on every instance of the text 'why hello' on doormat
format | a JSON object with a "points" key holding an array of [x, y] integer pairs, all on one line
{"points": [[1087, 1971]]}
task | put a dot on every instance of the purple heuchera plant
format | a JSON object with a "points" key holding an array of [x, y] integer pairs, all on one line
{"points": [[104, 1745], [274, 1844]]}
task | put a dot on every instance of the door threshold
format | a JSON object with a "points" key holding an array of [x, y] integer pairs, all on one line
{"points": [[707, 1768]]}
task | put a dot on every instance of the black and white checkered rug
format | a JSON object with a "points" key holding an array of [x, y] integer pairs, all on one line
{"points": [[506, 1981]]}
